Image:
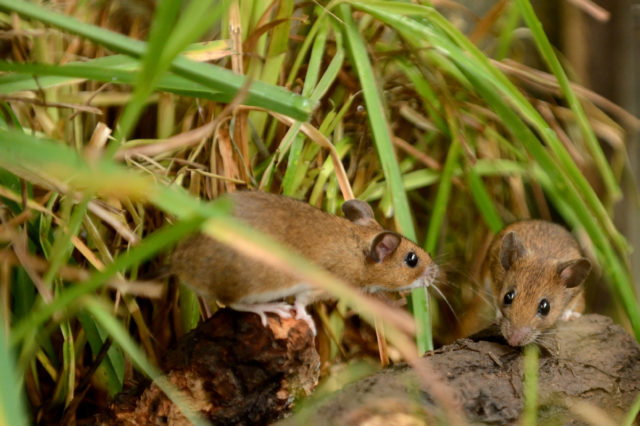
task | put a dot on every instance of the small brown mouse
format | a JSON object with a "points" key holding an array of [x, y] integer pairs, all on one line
{"points": [[356, 249], [536, 270]]}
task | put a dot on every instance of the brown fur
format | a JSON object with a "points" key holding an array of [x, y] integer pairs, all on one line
{"points": [[339, 245], [543, 261]]}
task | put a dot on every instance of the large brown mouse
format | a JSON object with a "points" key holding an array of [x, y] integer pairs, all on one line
{"points": [[356, 249], [536, 270]]}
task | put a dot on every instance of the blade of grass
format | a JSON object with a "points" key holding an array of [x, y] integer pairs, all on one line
{"points": [[113, 364], [546, 51], [151, 68], [632, 414], [483, 200], [442, 199], [382, 140], [378, 121], [320, 89], [506, 35], [189, 309], [63, 246], [96, 71], [428, 96], [311, 78], [530, 386], [12, 407], [444, 188]]}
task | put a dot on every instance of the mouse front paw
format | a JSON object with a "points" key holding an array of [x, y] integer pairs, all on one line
{"points": [[569, 314]]}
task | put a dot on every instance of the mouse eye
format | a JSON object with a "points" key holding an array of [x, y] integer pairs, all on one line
{"points": [[508, 298], [543, 307], [411, 259]]}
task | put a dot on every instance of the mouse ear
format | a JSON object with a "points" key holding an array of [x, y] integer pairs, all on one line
{"points": [[383, 245], [511, 250], [574, 272], [358, 212]]}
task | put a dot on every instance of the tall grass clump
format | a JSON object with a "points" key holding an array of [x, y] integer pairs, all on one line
{"points": [[120, 121]]}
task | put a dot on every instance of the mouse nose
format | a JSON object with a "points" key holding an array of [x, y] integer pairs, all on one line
{"points": [[519, 336], [431, 273]]}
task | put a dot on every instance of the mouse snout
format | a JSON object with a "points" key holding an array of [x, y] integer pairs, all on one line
{"points": [[518, 336], [430, 274]]}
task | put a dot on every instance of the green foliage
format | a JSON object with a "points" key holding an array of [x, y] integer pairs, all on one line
{"points": [[431, 129]]}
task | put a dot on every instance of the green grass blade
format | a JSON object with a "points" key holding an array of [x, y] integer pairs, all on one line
{"points": [[112, 367], [382, 139], [48, 76], [320, 22], [12, 407], [444, 190], [152, 67], [530, 386], [506, 35], [378, 122], [632, 414], [546, 51], [311, 78], [483, 200], [63, 246], [189, 309]]}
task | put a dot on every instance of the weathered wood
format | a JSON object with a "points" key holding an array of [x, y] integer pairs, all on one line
{"points": [[590, 360], [235, 370]]}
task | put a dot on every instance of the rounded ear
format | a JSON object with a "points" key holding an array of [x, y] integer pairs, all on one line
{"points": [[574, 272], [383, 245], [511, 250], [358, 212]]}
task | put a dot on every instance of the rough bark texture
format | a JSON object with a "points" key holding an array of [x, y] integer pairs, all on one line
{"points": [[589, 359], [235, 371]]}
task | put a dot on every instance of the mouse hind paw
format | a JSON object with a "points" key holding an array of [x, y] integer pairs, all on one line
{"points": [[302, 314], [283, 310]]}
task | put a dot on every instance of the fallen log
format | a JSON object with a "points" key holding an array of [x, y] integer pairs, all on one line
{"points": [[590, 367]]}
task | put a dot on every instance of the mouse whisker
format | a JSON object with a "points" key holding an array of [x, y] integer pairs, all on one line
{"points": [[437, 290], [545, 337]]}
